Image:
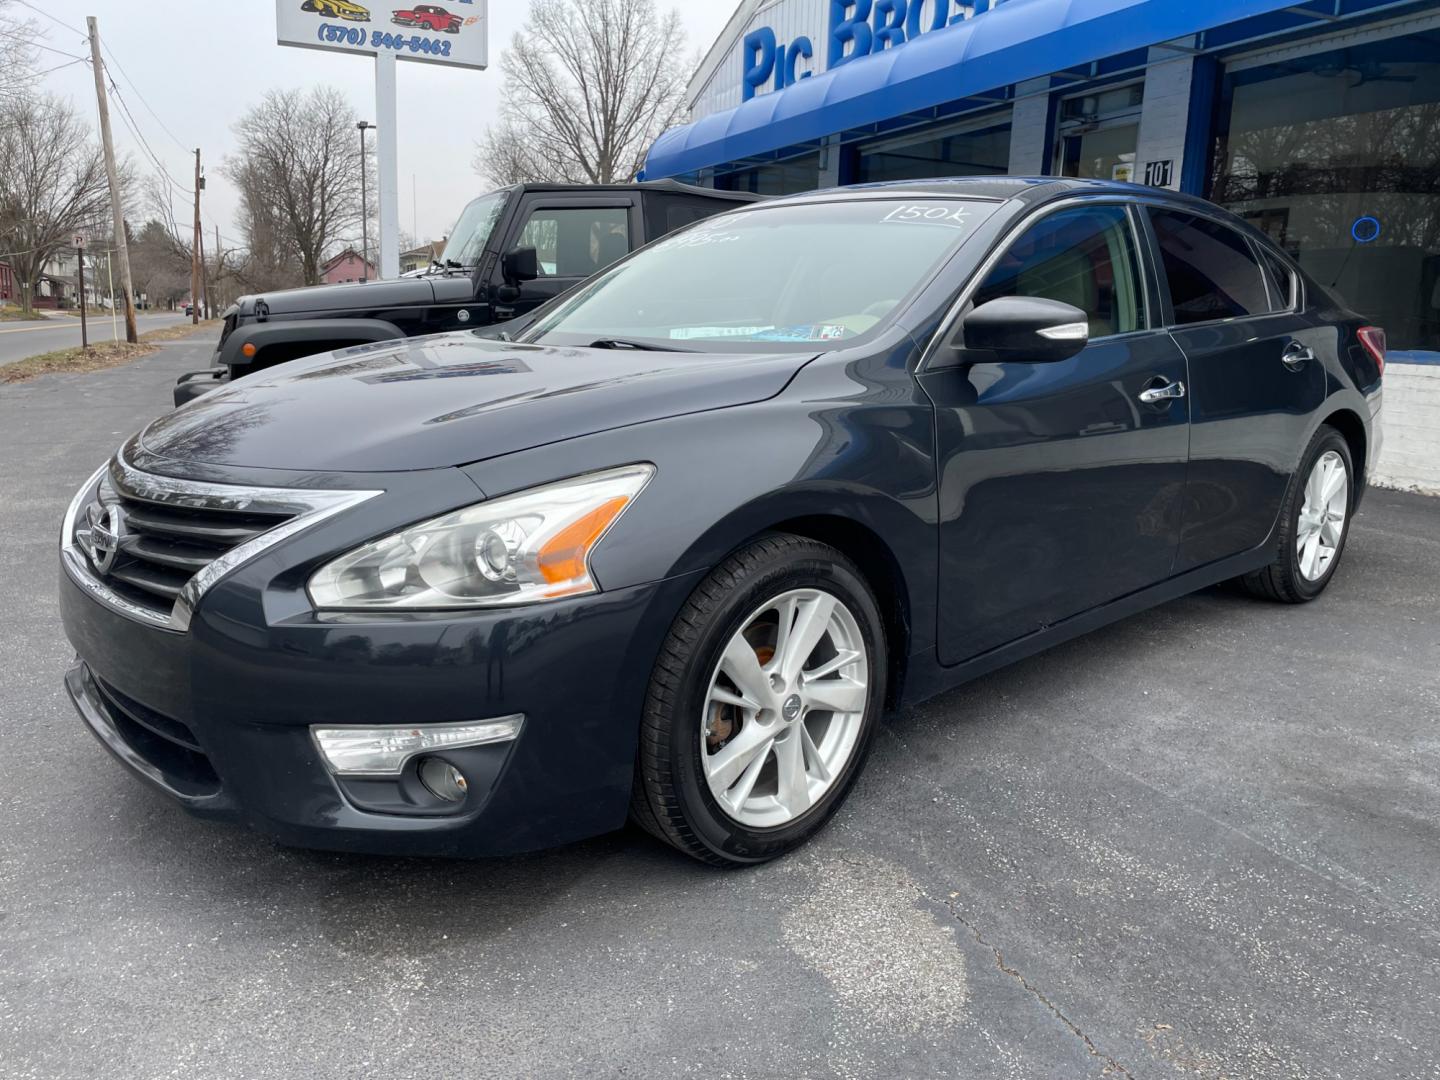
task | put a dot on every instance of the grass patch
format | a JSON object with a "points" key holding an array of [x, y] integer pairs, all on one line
{"points": [[14, 314], [106, 354]]}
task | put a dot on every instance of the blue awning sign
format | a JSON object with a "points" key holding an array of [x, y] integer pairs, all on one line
{"points": [[871, 79]]}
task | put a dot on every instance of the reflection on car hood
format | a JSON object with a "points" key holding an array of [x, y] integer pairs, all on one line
{"points": [[450, 399]]}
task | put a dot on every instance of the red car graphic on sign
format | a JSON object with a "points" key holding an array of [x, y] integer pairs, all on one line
{"points": [[430, 17]]}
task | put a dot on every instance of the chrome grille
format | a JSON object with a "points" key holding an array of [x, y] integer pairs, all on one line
{"points": [[150, 546], [159, 547]]}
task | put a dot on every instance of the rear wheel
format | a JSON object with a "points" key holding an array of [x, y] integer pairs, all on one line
{"points": [[762, 704], [1315, 524]]}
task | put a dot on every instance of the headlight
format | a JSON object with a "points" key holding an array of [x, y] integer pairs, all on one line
{"points": [[520, 549]]}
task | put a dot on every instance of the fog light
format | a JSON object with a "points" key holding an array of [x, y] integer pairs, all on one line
{"points": [[383, 751], [443, 779]]}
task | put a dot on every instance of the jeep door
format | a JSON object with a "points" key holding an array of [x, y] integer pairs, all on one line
{"points": [[573, 239]]}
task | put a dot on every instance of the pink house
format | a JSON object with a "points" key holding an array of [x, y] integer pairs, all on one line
{"points": [[346, 266]]}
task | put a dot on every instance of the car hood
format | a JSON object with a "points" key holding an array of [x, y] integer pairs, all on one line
{"points": [[349, 298], [450, 399]]}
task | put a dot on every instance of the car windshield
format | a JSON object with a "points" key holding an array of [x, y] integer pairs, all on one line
{"points": [[784, 276], [473, 230]]}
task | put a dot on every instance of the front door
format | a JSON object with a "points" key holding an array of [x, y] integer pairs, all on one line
{"points": [[572, 241], [1059, 488]]}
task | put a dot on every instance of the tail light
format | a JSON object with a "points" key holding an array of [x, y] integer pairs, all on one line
{"points": [[1373, 338]]}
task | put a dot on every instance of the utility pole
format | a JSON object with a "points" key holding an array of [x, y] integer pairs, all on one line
{"points": [[389, 267], [364, 125], [195, 249], [110, 281], [205, 276], [219, 264], [80, 273], [131, 334]]}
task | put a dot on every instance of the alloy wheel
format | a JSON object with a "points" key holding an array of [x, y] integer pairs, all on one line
{"points": [[785, 708], [1322, 517]]}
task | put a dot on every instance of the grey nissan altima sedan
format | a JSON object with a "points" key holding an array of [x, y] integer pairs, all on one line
{"points": [[672, 552]]}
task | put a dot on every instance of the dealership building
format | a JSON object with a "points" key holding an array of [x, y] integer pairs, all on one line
{"points": [[1319, 121]]}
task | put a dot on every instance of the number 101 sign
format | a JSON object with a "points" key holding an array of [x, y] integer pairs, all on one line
{"points": [[454, 32]]}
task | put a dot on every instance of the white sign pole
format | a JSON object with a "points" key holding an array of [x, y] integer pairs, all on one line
{"points": [[456, 35], [388, 164]]}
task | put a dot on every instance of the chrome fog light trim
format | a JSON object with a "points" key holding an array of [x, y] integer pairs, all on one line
{"points": [[384, 751]]}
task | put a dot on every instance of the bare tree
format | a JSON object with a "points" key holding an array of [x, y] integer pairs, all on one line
{"points": [[52, 185], [159, 265], [586, 93], [298, 171], [17, 59]]}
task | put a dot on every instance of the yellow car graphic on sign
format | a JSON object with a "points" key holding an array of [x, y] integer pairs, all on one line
{"points": [[337, 9]]}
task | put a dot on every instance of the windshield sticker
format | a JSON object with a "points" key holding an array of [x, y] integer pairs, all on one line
{"points": [[824, 332], [686, 333], [946, 214]]}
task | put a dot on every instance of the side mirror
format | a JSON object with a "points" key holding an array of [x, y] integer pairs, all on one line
{"points": [[1024, 329], [522, 264]]}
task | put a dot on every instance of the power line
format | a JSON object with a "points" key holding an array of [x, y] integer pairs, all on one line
{"points": [[60, 67], [52, 18], [62, 52], [121, 68], [133, 126]]}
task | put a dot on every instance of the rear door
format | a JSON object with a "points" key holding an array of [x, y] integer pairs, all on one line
{"points": [[1060, 489], [573, 239], [1255, 379]]}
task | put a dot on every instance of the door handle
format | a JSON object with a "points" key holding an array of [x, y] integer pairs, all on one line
{"points": [[1297, 355], [1169, 392]]}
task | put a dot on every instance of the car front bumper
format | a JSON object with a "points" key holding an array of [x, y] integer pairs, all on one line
{"points": [[219, 717]]}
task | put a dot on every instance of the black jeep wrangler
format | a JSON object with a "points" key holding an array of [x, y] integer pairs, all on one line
{"points": [[511, 251]]}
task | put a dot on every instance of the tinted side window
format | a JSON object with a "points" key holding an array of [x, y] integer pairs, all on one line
{"points": [[1212, 273], [1083, 257], [577, 242]]}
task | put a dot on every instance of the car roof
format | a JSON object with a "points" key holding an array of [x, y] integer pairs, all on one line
{"points": [[1027, 190], [671, 187]]}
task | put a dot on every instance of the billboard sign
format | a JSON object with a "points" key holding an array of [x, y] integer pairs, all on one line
{"points": [[454, 32]]}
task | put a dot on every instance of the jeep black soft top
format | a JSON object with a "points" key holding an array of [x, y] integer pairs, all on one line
{"points": [[511, 251]]}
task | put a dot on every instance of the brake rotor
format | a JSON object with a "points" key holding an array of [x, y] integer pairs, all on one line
{"points": [[725, 720]]}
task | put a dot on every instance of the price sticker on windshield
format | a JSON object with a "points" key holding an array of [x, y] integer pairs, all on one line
{"points": [[947, 214]]}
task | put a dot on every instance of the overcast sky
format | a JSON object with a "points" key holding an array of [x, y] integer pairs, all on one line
{"points": [[199, 65]]}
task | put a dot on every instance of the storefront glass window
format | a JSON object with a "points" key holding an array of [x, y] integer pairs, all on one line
{"points": [[1098, 133], [1336, 156], [971, 149], [782, 178]]}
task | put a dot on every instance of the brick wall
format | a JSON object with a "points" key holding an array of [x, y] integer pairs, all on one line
{"points": [[1410, 422]]}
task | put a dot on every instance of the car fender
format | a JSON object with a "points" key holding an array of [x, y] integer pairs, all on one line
{"points": [[775, 471], [311, 336]]}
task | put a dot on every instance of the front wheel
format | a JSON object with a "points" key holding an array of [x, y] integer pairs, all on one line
{"points": [[1314, 526], [762, 705]]}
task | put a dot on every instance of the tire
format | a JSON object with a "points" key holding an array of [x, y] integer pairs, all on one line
{"points": [[684, 730], [1294, 577]]}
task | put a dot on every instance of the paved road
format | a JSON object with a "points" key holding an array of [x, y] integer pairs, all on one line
{"points": [[21, 339], [1203, 843]]}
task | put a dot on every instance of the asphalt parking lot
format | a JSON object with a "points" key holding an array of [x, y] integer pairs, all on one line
{"points": [[1204, 842]]}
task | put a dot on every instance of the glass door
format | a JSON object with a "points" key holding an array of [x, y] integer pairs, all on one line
{"points": [[1097, 134]]}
